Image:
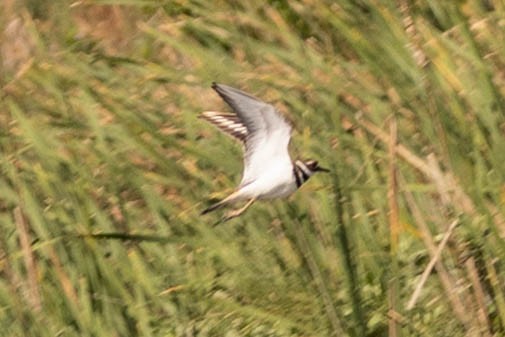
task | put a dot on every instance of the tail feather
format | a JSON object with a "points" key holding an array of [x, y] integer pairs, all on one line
{"points": [[213, 207], [229, 199]]}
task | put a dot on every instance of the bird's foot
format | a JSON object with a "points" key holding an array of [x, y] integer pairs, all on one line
{"points": [[235, 213]]}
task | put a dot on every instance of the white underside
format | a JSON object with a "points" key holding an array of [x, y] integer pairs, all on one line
{"points": [[276, 181]]}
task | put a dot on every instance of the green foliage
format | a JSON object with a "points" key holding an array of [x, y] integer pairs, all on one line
{"points": [[106, 167]]}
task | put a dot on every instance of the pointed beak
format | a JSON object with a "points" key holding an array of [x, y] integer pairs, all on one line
{"points": [[322, 169]]}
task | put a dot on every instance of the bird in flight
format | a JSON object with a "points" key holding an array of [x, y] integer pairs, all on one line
{"points": [[269, 172]]}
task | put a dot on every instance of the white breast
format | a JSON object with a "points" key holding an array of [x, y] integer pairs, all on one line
{"points": [[275, 181]]}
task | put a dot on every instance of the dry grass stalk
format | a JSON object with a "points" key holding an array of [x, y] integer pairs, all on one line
{"points": [[431, 264], [445, 278], [393, 224], [480, 302], [450, 192], [65, 281], [33, 293], [393, 187], [415, 39]]}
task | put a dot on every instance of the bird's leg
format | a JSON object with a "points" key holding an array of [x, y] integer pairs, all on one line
{"points": [[237, 212]]}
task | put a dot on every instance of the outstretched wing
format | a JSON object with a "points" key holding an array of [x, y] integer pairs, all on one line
{"points": [[227, 122], [267, 132]]}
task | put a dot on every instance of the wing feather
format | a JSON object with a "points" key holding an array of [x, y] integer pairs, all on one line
{"points": [[227, 122], [266, 135]]}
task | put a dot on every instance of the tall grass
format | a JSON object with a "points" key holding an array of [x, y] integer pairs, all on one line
{"points": [[106, 167]]}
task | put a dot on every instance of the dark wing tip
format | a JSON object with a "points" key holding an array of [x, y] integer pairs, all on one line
{"points": [[227, 93], [231, 94], [222, 90], [219, 89]]}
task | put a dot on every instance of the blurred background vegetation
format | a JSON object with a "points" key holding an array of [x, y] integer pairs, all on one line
{"points": [[105, 168]]}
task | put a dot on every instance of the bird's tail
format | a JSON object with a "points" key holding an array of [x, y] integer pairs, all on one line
{"points": [[213, 207], [229, 199]]}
